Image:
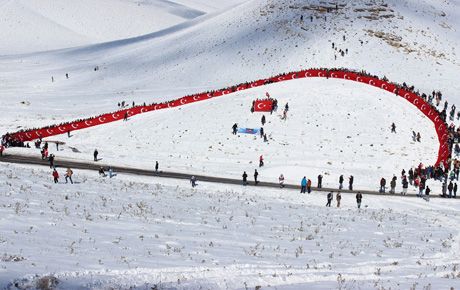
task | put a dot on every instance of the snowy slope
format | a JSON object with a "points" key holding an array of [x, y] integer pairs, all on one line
{"points": [[256, 39], [322, 135], [134, 232], [36, 25]]}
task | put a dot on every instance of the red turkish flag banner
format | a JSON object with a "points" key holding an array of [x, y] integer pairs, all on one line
{"points": [[263, 105]]}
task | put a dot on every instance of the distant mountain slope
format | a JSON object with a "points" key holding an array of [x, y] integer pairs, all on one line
{"points": [[36, 25]]}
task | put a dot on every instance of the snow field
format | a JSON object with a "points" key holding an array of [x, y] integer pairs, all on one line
{"points": [[132, 231]]}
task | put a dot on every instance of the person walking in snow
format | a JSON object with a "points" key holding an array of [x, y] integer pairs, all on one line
{"points": [[111, 173], [256, 174], [95, 154], [405, 185], [359, 198], [393, 128], [450, 188], [393, 185], [261, 132], [308, 186], [55, 176], [281, 180], [418, 137], [320, 181], [263, 120], [341, 182], [350, 182], [329, 199], [156, 166], [338, 198], [261, 161], [411, 176], [421, 188], [102, 172], [245, 178], [303, 185], [68, 175], [235, 128], [51, 160], [193, 181], [427, 194], [383, 182]]}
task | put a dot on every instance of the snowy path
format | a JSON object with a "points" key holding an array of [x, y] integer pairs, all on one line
{"points": [[62, 164]]}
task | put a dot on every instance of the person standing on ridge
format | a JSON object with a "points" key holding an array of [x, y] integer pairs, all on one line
{"points": [[95, 154], [320, 181], [281, 180], [156, 166], [303, 185], [256, 174], [341, 182], [245, 178], [350, 182]]}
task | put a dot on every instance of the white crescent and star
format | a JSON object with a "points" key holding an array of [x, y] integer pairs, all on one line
{"points": [[101, 119], [75, 126], [62, 130], [88, 123]]}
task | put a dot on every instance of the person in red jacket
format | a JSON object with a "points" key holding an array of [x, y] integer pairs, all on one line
{"points": [[55, 176]]}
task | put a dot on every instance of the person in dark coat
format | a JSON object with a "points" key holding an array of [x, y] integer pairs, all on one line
{"points": [[341, 182], [263, 120], [383, 182], [256, 174], [245, 178], [450, 188], [320, 181], [156, 166], [95, 154], [350, 182], [455, 190], [235, 128], [329, 199], [359, 198], [51, 160]]}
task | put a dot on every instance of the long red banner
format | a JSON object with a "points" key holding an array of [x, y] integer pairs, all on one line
{"points": [[414, 99]]}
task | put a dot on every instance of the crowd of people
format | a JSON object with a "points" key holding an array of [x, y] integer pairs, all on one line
{"points": [[420, 173]]}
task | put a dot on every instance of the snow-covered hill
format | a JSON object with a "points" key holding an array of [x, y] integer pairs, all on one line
{"points": [[36, 25], [124, 232], [130, 231]]}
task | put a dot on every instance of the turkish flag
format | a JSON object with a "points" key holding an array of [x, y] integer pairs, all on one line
{"points": [[263, 105]]}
